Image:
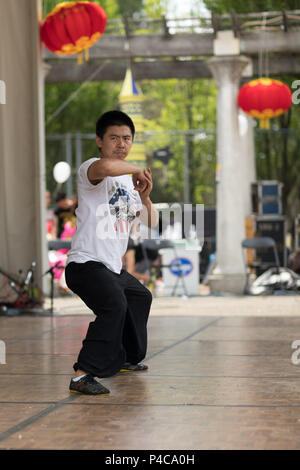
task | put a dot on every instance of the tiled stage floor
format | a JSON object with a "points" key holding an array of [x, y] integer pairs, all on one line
{"points": [[214, 382]]}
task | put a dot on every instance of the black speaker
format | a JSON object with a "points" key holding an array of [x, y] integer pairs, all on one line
{"points": [[266, 197]]}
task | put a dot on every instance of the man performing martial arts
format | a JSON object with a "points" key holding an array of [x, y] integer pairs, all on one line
{"points": [[111, 193]]}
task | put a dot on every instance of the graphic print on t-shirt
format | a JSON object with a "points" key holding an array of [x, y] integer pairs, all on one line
{"points": [[122, 206]]}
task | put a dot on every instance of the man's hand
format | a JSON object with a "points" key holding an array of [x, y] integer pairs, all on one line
{"points": [[139, 181], [146, 190], [149, 215]]}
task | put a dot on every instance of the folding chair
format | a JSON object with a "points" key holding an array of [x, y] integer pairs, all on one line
{"points": [[59, 244], [257, 243]]}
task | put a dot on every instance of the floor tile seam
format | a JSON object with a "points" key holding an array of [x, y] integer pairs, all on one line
{"points": [[187, 356], [200, 340], [35, 417], [81, 319], [85, 314], [37, 335], [204, 340], [9, 402], [182, 340], [202, 405], [258, 326], [266, 356], [150, 376], [38, 354], [166, 405], [240, 340], [297, 377], [53, 407]]}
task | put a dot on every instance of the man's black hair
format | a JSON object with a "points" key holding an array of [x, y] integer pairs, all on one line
{"points": [[60, 196], [113, 118]]}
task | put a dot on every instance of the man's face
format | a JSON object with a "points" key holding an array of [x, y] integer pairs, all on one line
{"points": [[116, 142], [64, 203]]}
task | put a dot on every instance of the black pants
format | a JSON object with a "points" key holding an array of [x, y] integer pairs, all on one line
{"points": [[121, 305]]}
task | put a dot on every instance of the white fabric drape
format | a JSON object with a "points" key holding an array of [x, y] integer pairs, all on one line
{"points": [[22, 174]]}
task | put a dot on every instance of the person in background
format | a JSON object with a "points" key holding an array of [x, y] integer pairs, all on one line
{"points": [[63, 213], [138, 258], [130, 263], [74, 205], [294, 261], [49, 216]]}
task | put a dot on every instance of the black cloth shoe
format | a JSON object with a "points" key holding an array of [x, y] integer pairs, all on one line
{"points": [[87, 385], [127, 367]]}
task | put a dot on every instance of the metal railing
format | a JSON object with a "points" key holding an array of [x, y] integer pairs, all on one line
{"points": [[238, 22]]}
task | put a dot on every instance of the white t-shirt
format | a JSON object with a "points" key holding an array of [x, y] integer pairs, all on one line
{"points": [[104, 217]]}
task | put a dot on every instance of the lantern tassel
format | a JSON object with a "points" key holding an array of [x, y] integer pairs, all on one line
{"points": [[264, 123], [79, 58], [86, 51]]}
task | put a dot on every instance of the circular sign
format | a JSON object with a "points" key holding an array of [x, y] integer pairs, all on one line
{"points": [[181, 267]]}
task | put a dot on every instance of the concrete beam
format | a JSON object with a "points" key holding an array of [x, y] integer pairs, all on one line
{"points": [[188, 45], [68, 70], [251, 42]]}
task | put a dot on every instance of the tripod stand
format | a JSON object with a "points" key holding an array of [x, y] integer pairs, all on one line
{"points": [[51, 272]]}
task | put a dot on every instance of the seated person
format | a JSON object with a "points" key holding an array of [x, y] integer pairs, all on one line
{"points": [[294, 261], [130, 263], [138, 260]]}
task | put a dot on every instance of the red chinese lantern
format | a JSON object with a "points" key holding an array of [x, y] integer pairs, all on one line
{"points": [[72, 27], [264, 98]]}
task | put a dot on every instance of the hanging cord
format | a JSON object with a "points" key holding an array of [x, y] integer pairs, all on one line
{"points": [[266, 49], [263, 56], [75, 93]]}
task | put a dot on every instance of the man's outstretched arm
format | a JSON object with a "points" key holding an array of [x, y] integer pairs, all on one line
{"points": [[115, 167]]}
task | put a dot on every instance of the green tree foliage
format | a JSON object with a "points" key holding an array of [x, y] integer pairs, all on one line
{"points": [[179, 105], [247, 6], [110, 6], [88, 102], [129, 7], [169, 105], [276, 149], [182, 105], [277, 156]]}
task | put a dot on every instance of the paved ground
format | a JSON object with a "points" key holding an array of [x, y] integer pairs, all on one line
{"points": [[221, 376], [204, 305]]}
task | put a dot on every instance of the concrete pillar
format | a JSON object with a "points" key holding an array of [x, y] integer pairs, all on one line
{"points": [[246, 131], [22, 151], [229, 275]]}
